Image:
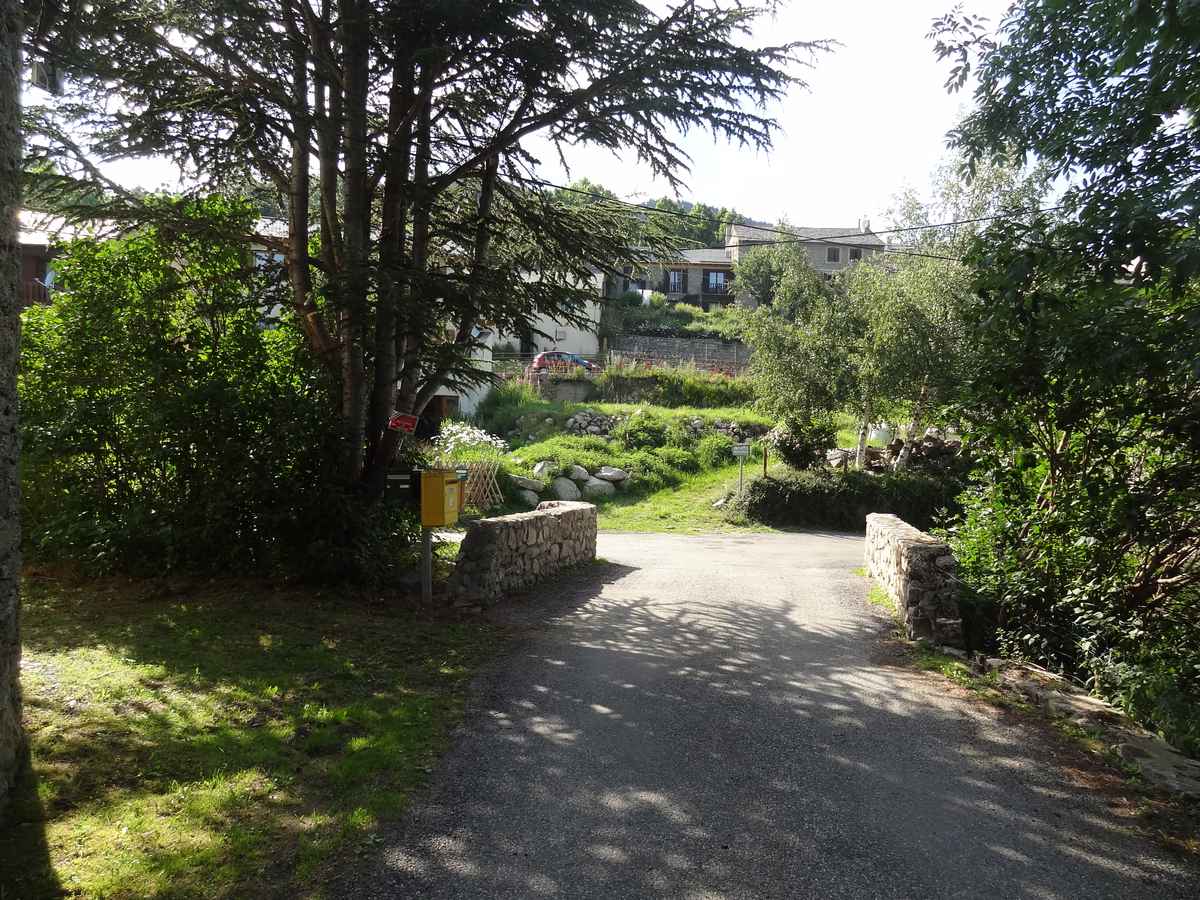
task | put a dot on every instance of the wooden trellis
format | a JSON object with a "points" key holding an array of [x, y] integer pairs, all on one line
{"points": [[482, 491]]}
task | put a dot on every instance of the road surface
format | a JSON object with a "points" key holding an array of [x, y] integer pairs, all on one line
{"points": [[707, 717]]}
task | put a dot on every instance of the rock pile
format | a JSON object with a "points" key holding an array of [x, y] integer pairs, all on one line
{"points": [[572, 484], [588, 421], [739, 433], [932, 452]]}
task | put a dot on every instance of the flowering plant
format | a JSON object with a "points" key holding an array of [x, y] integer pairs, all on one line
{"points": [[456, 436]]}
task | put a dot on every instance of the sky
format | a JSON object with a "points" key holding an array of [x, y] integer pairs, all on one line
{"points": [[873, 121]]}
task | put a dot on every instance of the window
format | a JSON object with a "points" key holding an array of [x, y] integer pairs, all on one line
{"points": [[833, 254], [676, 281], [714, 282], [855, 253]]}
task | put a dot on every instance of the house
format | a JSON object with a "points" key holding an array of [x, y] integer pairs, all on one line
{"points": [[705, 276]]}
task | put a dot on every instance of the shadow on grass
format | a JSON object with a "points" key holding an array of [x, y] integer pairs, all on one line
{"points": [[226, 740], [25, 867]]}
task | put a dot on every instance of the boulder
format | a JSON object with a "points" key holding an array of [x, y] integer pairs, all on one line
{"points": [[529, 498], [543, 469], [564, 489], [595, 487], [528, 484], [578, 473], [611, 473]]}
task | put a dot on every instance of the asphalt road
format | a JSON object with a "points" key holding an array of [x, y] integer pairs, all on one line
{"points": [[707, 717]]}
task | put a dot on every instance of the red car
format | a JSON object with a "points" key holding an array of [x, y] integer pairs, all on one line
{"points": [[560, 359]]}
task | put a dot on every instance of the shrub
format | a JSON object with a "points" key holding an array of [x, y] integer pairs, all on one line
{"points": [[673, 387], [679, 459], [165, 428], [715, 450], [641, 431], [840, 500], [455, 437], [802, 445], [502, 407]]}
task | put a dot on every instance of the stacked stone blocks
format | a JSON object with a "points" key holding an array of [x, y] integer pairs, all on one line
{"points": [[917, 571], [512, 553]]}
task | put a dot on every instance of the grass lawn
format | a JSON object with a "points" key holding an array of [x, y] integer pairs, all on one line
{"points": [[221, 740], [686, 509]]}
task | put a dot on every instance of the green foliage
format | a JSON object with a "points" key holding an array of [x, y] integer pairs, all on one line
{"points": [[1082, 534], [168, 425], [641, 431], [715, 450], [671, 387], [821, 498], [802, 445], [650, 470], [678, 459], [676, 320]]}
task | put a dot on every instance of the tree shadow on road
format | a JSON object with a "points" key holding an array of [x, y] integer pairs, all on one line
{"points": [[647, 748]]}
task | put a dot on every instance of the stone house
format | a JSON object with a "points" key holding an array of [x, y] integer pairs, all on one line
{"points": [[705, 276]]}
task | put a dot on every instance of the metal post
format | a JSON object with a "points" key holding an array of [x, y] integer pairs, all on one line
{"points": [[764, 460], [741, 472], [427, 565]]}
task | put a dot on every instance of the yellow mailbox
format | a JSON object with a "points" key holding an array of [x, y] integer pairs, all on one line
{"points": [[441, 497]]}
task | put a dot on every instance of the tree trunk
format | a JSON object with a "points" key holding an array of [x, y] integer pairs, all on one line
{"points": [[12, 741], [860, 454], [916, 432], [356, 212]]}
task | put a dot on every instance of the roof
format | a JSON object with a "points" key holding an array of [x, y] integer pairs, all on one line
{"points": [[851, 234]]}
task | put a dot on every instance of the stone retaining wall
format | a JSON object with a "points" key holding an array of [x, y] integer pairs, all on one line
{"points": [[511, 553], [917, 572], [702, 351]]}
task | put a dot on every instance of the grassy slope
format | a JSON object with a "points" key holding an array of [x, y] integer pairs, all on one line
{"points": [[229, 741], [686, 509]]}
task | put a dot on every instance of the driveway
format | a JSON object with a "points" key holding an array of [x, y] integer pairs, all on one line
{"points": [[705, 717]]}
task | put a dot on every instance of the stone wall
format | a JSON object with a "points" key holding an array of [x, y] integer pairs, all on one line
{"points": [[917, 572], [511, 553], [705, 352]]}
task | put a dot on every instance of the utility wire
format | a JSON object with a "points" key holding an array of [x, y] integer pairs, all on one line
{"points": [[793, 237]]}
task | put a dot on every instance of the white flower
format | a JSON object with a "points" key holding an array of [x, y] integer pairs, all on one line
{"points": [[456, 436]]}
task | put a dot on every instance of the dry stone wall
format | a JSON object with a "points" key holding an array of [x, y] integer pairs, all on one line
{"points": [[918, 572], [515, 552]]}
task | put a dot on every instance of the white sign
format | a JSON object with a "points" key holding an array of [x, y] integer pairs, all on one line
{"points": [[741, 451]]}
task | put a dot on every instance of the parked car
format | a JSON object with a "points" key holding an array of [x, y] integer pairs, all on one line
{"points": [[560, 359]]}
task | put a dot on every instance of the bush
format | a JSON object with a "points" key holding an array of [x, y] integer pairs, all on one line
{"points": [[502, 407], [168, 427], [641, 431], [817, 498], [650, 469], [715, 450], [802, 445], [678, 459], [673, 387]]}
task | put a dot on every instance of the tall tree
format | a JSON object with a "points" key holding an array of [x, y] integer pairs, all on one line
{"points": [[393, 133], [1084, 399], [11, 738]]}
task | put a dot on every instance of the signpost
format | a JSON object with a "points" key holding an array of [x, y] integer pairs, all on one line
{"points": [[741, 452]]}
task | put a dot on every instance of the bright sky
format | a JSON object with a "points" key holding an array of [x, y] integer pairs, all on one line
{"points": [[874, 120]]}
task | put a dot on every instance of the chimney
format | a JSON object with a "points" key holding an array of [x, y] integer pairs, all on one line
{"points": [[864, 225]]}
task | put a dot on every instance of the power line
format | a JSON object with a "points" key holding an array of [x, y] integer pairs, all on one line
{"points": [[793, 237]]}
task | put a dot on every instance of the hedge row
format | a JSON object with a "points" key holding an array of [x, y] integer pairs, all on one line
{"points": [[842, 500]]}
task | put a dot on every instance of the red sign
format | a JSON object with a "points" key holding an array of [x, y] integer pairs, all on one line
{"points": [[403, 422]]}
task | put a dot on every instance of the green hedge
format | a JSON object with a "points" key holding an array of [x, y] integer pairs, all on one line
{"points": [[842, 500]]}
